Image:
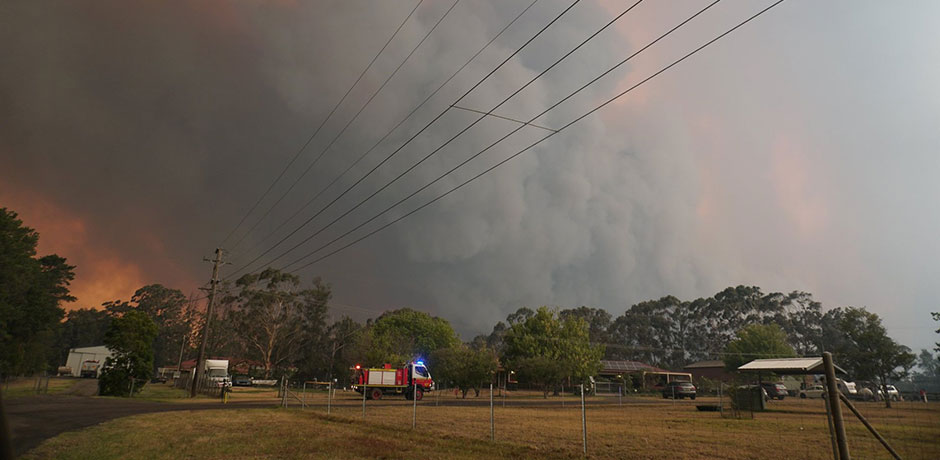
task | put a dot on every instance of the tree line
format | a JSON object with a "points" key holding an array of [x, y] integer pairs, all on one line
{"points": [[279, 322]]}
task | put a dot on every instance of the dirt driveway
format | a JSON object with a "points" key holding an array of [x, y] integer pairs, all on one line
{"points": [[34, 419]]}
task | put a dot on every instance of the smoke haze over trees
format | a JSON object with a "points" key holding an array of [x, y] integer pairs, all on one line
{"points": [[705, 178]]}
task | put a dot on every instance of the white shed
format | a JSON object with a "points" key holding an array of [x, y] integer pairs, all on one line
{"points": [[79, 355]]}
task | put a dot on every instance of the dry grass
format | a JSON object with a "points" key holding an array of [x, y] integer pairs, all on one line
{"points": [[641, 428], [25, 386]]}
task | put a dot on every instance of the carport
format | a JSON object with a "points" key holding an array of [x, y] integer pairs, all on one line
{"points": [[825, 366], [785, 366], [789, 366]]}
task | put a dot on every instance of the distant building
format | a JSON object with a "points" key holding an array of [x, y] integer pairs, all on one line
{"points": [[644, 377], [77, 356], [711, 370]]}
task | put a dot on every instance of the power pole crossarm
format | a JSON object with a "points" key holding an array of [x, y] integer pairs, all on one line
{"points": [[200, 358]]}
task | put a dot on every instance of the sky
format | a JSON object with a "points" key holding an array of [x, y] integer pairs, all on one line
{"points": [[796, 153]]}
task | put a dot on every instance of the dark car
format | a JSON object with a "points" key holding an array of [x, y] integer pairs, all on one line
{"points": [[241, 381], [679, 390], [775, 390]]}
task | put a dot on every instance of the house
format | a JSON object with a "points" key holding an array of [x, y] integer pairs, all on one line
{"points": [[712, 370], [642, 376]]}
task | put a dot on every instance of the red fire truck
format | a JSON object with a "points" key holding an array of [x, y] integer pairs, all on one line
{"points": [[412, 380]]}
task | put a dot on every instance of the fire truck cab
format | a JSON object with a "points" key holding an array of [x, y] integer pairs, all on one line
{"points": [[412, 380]]}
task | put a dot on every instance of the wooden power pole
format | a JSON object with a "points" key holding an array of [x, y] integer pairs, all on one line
{"points": [[200, 358]]}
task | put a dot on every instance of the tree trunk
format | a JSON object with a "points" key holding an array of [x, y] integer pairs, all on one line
{"points": [[884, 391]]}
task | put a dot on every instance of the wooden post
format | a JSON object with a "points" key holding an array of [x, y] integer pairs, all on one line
{"points": [[492, 419], [329, 397], [583, 423], [832, 392], [364, 389], [414, 400], [832, 433]]}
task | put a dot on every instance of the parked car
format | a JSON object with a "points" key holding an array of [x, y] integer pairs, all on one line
{"points": [[815, 391], [241, 381], [774, 390], [874, 392], [679, 390]]}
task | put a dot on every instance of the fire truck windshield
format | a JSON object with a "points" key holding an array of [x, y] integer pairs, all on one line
{"points": [[421, 371]]}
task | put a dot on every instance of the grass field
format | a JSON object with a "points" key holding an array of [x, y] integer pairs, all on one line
{"points": [[648, 428], [27, 386]]}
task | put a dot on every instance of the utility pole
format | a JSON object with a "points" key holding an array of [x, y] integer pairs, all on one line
{"points": [[200, 358]]}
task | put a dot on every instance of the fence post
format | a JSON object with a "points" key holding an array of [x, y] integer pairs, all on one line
{"points": [[620, 394], [492, 419], [721, 407], [132, 387], [583, 423], [414, 400], [364, 389], [329, 397], [562, 395], [303, 398], [832, 433], [284, 390], [832, 392]]}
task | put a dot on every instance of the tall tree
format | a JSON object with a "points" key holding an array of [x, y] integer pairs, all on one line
{"points": [[544, 335], [757, 341], [130, 338], [803, 323], [402, 335], [31, 289], [334, 356], [463, 367], [597, 319], [277, 319], [928, 363], [84, 327], [167, 308], [868, 353]]}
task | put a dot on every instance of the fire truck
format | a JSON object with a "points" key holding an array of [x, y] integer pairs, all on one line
{"points": [[412, 380]]}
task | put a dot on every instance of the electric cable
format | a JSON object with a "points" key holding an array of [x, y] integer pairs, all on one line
{"points": [[530, 40], [302, 148], [462, 184], [349, 123], [522, 124], [387, 134]]}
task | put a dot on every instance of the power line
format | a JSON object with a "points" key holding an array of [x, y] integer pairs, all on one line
{"points": [[330, 115], [608, 71], [387, 134], [439, 148], [484, 115], [528, 147], [351, 120], [282, 240]]}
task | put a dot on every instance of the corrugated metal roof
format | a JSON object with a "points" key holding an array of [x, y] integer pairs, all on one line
{"points": [[813, 365], [628, 366], [705, 364]]}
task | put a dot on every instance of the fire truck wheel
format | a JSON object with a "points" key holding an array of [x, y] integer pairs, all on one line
{"points": [[376, 393], [419, 393]]}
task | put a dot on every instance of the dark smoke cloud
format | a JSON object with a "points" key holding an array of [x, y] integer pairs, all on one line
{"points": [[782, 157]]}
